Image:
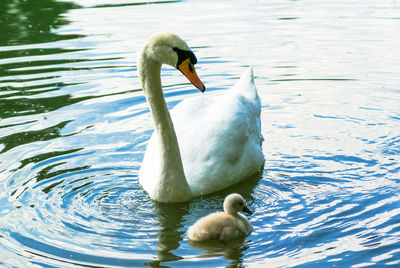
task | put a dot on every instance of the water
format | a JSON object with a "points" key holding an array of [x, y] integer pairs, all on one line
{"points": [[74, 126]]}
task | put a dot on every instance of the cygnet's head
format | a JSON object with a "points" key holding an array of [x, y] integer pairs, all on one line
{"points": [[170, 49], [234, 203]]}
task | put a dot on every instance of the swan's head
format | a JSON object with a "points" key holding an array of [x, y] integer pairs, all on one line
{"points": [[234, 203], [168, 48]]}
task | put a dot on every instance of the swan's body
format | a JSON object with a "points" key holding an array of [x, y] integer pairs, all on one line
{"points": [[212, 143], [225, 225]]}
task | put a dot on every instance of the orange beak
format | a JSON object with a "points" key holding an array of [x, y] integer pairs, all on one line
{"points": [[187, 68]]}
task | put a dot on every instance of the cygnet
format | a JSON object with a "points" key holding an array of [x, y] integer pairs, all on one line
{"points": [[223, 225]]}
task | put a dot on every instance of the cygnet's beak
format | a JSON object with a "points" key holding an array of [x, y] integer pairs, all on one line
{"points": [[247, 210], [187, 68]]}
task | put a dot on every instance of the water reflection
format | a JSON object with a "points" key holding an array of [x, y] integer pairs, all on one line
{"points": [[93, 4], [28, 88], [170, 218], [21, 138], [232, 250], [29, 22]]}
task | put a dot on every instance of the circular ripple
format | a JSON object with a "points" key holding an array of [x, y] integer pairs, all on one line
{"points": [[67, 212]]}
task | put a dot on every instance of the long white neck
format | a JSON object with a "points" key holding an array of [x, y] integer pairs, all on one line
{"points": [[172, 186]]}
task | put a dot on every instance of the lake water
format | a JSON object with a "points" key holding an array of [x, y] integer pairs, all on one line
{"points": [[74, 126]]}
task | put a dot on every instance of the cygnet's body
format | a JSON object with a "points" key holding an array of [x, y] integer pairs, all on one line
{"points": [[225, 225]]}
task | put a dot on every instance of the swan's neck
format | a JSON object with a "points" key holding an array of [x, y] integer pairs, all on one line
{"points": [[172, 185]]}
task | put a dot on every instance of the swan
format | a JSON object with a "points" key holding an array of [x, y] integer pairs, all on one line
{"points": [[205, 144], [225, 225]]}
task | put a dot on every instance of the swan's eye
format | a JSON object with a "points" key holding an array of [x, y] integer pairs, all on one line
{"points": [[191, 68], [183, 55]]}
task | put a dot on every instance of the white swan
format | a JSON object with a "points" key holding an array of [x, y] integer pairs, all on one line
{"points": [[223, 225], [210, 143]]}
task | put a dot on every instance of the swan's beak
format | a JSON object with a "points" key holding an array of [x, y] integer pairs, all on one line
{"points": [[247, 210], [187, 68]]}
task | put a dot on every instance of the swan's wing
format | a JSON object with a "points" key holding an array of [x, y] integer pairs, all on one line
{"points": [[220, 139], [246, 87]]}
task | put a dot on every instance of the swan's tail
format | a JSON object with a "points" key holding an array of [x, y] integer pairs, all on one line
{"points": [[245, 86]]}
